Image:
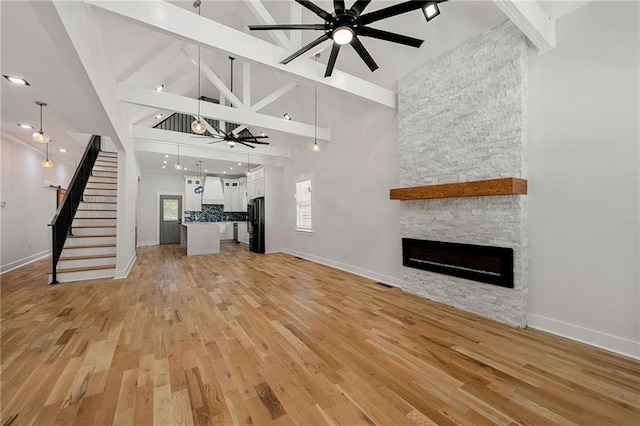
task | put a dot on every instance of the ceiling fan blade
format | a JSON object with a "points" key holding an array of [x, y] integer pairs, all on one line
{"points": [[388, 12], [306, 48], [332, 59], [364, 54], [221, 140], [315, 9], [359, 6], [393, 37], [252, 137], [339, 6], [287, 27], [246, 144]]}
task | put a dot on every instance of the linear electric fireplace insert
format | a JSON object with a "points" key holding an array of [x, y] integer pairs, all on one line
{"points": [[486, 264]]}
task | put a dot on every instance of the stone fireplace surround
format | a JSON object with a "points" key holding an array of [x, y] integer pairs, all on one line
{"points": [[462, 117]]}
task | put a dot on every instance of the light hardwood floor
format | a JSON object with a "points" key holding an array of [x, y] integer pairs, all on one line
{"points": [[239, 338]]}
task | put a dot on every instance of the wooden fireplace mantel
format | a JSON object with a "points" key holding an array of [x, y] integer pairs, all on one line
{"points": [[502, 186]]}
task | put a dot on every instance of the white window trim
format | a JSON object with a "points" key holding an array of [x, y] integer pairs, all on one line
{"points": [[298, 229]]}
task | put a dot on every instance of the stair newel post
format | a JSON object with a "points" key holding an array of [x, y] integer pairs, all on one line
{"points": [[54, 258]]}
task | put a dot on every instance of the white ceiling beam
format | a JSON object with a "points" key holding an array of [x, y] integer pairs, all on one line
{"points": [[529, 17], [183, 24], [164, 142], [214, 79], [268, 100], [177, 103], [265, 18], [273, 97]]}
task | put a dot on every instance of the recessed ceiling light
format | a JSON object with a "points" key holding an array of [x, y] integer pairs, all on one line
{"points": [[262, 134], [286, 116], [239, 164], [164, 167], [165, 161], [26, 126], [205, 170], [62, 149], [158, 116], [16, 80], [160, 88], [224, 172], [430, 11], [185, 168], [230, 168], [166, 156]]}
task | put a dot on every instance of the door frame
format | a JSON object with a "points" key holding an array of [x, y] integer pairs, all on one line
{"points": [[157, 210]]}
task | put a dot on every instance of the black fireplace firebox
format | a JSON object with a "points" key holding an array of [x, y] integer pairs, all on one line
{"points": [[486, 264]]}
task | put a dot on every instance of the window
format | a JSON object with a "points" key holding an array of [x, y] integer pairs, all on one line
{"points": [[303, 205], [169, 209]]}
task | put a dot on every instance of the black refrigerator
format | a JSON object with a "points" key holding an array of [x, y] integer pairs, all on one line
{"points": [[255, 224]]}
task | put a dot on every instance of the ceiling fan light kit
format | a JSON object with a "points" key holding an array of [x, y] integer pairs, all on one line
{"points": [[345, 26]]}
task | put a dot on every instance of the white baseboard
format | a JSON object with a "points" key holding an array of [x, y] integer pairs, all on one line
{"points": [[21, 262], [147, 243], [123, 273], [384, 279], [609, 342]]}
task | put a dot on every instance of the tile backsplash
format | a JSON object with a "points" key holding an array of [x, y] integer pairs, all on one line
{"points": [[214, 213]]}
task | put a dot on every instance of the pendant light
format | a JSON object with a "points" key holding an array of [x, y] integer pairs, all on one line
{"points": [[178, 166], [46, 163], [197, 126], [40, 136], [199, 189], [316, 146]]}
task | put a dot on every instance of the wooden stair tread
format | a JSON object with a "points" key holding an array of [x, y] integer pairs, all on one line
{"points": [[106, 161], [93, 226], [102, 151], [100, 189], [95, 210], [86, 246], [103, 177], [97, 195], [86, 268], [95, 218], [92, 236], [91, 256], [99, 202]]}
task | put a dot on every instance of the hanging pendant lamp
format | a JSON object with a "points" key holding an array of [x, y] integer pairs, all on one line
{"points": [[197, 126], [178, 166], [46, 163], [40, 136], [316, 146]]}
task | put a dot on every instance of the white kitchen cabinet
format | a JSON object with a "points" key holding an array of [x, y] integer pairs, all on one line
{"points": [[255, 184], [243, 233], [192, 201], [234, 195]]}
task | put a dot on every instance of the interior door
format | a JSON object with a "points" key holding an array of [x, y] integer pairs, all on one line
{"points": [[170, 218]]}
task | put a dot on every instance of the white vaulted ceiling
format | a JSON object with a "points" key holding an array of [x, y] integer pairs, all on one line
{"points": [[143, 57]]}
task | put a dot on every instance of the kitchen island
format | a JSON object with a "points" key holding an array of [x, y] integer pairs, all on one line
{"points": [[200, 237]]}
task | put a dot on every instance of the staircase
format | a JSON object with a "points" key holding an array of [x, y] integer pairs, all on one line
{"points": [[90, 251]]}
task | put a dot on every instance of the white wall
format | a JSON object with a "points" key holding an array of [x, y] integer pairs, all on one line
{"points": [[583, 179], [152, 183], [356, 226], [29, 205]]}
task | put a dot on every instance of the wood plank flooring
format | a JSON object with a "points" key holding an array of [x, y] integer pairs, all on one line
{"points": [[239, 338]]}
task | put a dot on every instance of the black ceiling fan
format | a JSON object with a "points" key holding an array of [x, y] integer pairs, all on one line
{"points": [[344, 26], [231, 139]]}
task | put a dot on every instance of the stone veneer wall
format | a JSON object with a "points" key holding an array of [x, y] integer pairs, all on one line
{"points": [[462, 117]]}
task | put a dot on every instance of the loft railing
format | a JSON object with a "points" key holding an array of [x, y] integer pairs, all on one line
{"points": [[61, 223]]}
